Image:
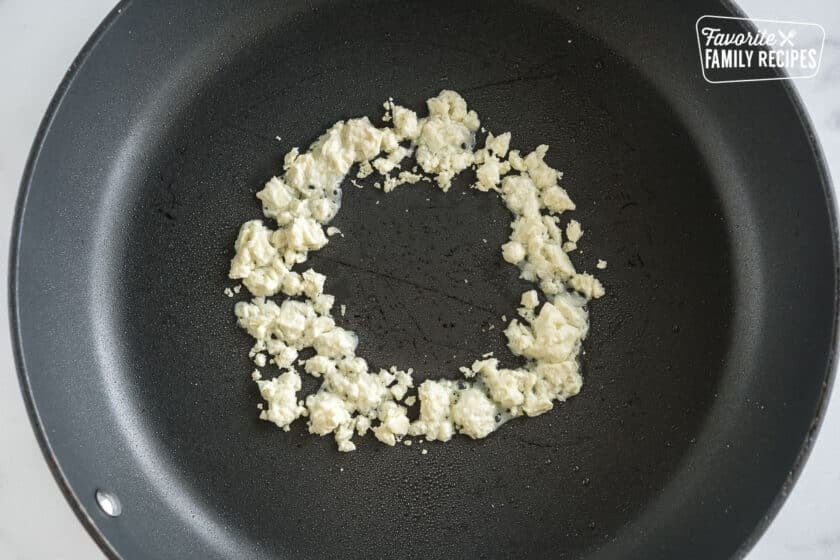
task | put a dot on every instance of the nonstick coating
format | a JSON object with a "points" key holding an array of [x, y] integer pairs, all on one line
{"points": [[707, 363]]}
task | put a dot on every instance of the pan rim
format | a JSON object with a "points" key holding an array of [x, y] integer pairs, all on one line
{"points": [[73, 498], [830, 375], [70, 496]]}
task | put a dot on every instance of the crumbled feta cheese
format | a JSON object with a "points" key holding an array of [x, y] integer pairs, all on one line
{"points": [[474, 413], [253, 250], [587, 285], [365, 169], [499, 145], [327, 412], [393, 423], [352, 399], [384, 165], [491, 165], [574, 231], [406, 124], [409, 177], [281, 395], [435, 408], [446, 139], [362, 425], [530, 299], [602, 264], [513, 252]]}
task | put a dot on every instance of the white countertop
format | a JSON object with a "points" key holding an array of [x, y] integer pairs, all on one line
{"points": [[39, 39]]}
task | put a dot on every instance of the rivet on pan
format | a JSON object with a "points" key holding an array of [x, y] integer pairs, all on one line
{"points": [[108, 503]]}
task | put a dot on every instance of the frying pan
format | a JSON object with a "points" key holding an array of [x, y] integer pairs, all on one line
{"points": [[706, 368]]}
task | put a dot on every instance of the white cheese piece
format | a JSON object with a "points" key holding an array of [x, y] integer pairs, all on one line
{"points": [[602, 264], [556, 199], [435, 406], [390, 183], [446, 139], [313, 283], [489, 173], [326, 412], [516, 161], [319, 365], [384, 165], [281, 395], [499, 145], [365, 169], [474, 413], [280, 201], [336, 343], [409, 177], [342, 437], [253, 249], [587, 285], [284, 356], [406, 124], [362, 425], [513, 252], [389, 108], [543, 175], [574, 231], [530, 299], [563, 378], [490, 162], [393, 423]]}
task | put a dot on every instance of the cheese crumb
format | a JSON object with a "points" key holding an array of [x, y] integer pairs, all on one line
{"points": [[602, 264], [281, 395], [574, 231], [587, 285]]}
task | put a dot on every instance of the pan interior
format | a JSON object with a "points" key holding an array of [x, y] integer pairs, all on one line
{"points": [[422, 288], [706, 363]]}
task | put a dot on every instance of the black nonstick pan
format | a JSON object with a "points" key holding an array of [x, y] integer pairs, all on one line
{"points": [[706, 368]]}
